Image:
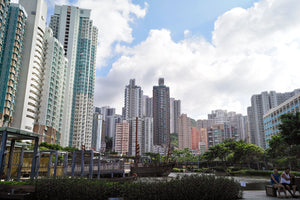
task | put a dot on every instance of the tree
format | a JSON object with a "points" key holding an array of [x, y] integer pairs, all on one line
{"points": [[109, 143], [290, 128]]}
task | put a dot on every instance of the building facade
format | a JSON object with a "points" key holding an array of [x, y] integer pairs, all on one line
{"points": [[97, 132], [260, 105], [65, 25], [133, 101], [122, 138], [184, 132], [272, 117], [12, 48], [84, 82], [31, 79], [161, 114], [53, 89]]}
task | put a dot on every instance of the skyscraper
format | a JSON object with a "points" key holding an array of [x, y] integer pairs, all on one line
{"points": [[133, 101], [84, 82], [10, 62], [184, 132], [161, 114], [260, 105], [98, 131], [74, 28], [65, 25], [29, 89], [4, 5], [50, 117], [122, 137], [175, 112]]}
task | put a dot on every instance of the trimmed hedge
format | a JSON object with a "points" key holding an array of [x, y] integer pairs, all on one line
{"points": [[260, 172], [187, 187]]}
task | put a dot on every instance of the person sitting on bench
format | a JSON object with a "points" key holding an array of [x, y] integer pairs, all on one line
{"points": [[275, 182], [286, 178]]}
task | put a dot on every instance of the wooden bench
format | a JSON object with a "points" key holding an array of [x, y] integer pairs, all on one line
{"points": [[271, 191]]}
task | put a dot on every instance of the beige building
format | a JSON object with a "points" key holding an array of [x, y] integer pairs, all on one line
{"points": [[122, 137], [184, 132]]}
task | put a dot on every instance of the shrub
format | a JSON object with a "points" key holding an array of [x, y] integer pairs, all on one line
{"points": [[187, 187]]}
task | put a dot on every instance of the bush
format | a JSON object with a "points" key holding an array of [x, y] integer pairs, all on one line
{"points": [[187, 187], [177, 170], [260, 173]]}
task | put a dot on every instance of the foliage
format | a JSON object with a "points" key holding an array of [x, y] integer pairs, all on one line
{"points": [[187, 187], [155, 157], [48, 146], [183, 155], [290, 128], [174, 139], [284, 147], [234, 151]]}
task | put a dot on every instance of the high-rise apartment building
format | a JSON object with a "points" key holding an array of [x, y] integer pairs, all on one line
{"points": [[122, 137], [73, 27], [12, 48], [31, 79], [65, 25], [4, 5], [84, 82], [184, 132], [175, 112], [161, 114], [136, 130], [195, 138], [272, 117], [133, 101], [147, 136], [147, 106], [260, 105], [51, 113], [98, 131]]}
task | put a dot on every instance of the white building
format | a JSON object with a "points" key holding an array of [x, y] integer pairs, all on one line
{"points": [[53, 90], [133, 101], [147, 136], [31, 74], [65, 26]]}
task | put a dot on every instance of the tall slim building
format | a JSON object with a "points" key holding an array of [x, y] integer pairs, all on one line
{"points": [[122, 137], [184, 132], [260, 105], [84, 82], [135, 130], [12, 48], [98, 131], [31, 79], [133, 100], [65, 25], [53, 90], [161, 114], [147, 106], [147, 136], [74, 28], [4, 5], [175, 112]]}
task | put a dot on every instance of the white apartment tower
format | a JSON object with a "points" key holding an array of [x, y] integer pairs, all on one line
{"points": [[133, 101], [31, 73], [53, 90], [73, 27], [65, 26]]}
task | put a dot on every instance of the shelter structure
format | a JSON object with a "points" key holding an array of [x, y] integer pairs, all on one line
{"points": [[12, 135]]}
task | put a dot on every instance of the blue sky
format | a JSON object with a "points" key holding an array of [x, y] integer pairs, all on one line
{"points": [[213, 54], [197, 16]]}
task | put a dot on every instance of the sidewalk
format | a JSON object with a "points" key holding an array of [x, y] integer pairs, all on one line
{"points": [[260, 194]]}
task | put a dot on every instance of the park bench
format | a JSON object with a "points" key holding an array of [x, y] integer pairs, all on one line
{"points": [[272, 192]]}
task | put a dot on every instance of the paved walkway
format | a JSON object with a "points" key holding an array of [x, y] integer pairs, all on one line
{"points": [[260, 194]]}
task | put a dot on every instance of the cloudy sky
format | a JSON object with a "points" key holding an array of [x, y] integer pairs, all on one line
{"points": [[213, 54]]}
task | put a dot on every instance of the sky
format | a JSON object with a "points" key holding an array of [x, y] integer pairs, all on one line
{"points": [[213, 54]]}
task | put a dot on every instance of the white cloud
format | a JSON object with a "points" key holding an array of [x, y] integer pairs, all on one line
{"points": [[113, 19], [252, 50]]}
